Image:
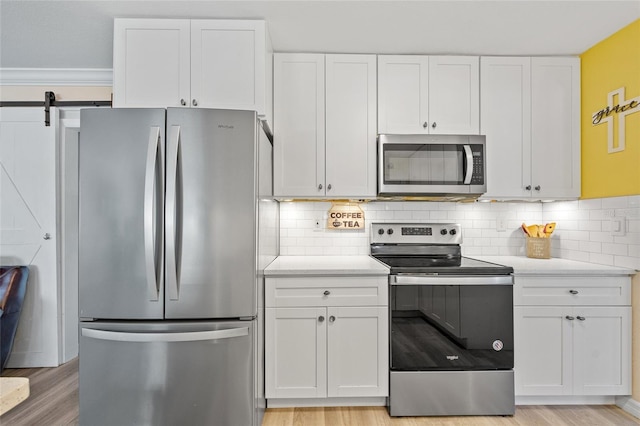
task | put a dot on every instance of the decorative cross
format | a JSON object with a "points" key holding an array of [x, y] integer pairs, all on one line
{"points": [[623, 108]]}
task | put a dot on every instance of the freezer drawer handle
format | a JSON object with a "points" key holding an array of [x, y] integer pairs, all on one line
{"points": [[150, 234], [192, 336]]}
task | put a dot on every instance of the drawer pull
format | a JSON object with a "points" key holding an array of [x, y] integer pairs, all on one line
{"points": [[581, 318], [332, 318], [326, 292], [320, 318], [573, 291], [569, 317]]}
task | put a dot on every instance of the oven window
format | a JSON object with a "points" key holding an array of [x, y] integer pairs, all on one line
{"points": [[451, 327], [423, 164]]}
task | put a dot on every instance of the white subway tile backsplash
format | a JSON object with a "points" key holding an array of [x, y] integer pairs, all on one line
{"points": [[582, 232]]}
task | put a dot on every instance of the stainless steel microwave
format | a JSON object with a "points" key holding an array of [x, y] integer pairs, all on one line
{"points": [[431, 165]]}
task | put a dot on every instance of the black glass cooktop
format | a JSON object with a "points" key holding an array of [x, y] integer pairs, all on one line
{"points": [[445, 265]]}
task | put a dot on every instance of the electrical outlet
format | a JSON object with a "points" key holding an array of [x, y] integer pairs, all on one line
{"points": [[501, 224], [609, 213], [317, 224], [618, 225]]}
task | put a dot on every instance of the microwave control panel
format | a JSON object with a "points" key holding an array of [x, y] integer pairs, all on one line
{"points": [[477, 178]]}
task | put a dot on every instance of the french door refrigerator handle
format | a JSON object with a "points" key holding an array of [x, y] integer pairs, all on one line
{"points": [[191, 336], [469, 171], [171, 223], [150, 234]]}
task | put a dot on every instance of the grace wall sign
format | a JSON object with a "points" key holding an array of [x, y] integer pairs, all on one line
{"points": [[620, 110]]}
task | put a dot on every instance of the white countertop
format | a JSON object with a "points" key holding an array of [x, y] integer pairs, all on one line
{"points": [[325, 265], [527, 266]]}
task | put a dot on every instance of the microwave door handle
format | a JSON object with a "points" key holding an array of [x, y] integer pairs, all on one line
{"points": [[469, 169]]}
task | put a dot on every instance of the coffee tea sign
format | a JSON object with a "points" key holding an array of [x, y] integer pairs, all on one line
{"points": [[345, 216]]}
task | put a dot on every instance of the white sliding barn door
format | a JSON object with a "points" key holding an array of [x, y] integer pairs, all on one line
{"points": [[28, 234]]}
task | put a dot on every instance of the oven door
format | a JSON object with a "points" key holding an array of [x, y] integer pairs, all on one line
{"points": [[419, 165], [441, 323]]}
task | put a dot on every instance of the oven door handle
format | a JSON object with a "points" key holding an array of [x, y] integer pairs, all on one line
{"points": [[451, 280]]}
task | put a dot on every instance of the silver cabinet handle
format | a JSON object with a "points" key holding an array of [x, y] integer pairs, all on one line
{"points": [[151, 234], [321, 318], [434, 125], [171, 209], [569, 317], [329, 187], [573, 291], [528, 187], [47, 236], [194, 102], [326, 292], [332, 318], [320, 186], [192, 336], [183, 102], [581, 318], [537, 188], [425, 125]]}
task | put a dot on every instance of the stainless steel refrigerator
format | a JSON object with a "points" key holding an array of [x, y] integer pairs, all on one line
{"points": [[176, 226]]}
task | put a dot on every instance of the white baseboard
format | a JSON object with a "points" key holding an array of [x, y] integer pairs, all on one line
{"points": [[566, 400], [629, 405], [326, 402], [56, 77]]}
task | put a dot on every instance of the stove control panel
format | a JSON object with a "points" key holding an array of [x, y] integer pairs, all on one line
{"points": [[418, 233]]}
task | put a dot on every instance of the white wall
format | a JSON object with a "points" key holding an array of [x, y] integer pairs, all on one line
{"points": [[582, 231]]}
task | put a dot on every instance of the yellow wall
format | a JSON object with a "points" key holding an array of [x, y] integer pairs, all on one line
{"points": [[609, 65]]}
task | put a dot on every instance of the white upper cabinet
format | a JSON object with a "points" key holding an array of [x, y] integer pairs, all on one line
{"points": [[555, 127], [530, 115], [505, 109], [196, 63], [324, 154], [350, 127], [428, 94], [298, 147], [151, 62]]}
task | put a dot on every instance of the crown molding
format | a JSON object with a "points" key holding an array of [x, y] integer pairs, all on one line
{"points": [[56, 77]]}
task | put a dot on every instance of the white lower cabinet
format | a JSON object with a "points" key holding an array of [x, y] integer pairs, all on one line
{"points": [[572, 349], [317, 350]]}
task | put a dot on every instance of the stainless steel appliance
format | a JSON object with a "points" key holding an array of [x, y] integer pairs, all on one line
{"points": [[451, 324], [176, 227], [443, 166]]}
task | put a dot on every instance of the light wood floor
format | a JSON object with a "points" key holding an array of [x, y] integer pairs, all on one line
{"points": [[54, 402]]}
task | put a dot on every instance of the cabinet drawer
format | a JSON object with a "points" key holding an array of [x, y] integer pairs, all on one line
{"points": [[322, 291], [569, 291]]}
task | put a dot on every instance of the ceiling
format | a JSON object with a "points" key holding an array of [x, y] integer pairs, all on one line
{"points": [[78, 34]]}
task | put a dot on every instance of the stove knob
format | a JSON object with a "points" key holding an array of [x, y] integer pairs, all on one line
{"points": [[389, 231], [443, 231], [452, 232], [380, 231]]}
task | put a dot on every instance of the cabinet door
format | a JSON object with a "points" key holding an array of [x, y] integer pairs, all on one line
{"points": [[505, 109], [454, 95], [555, 127], [350, 125], [602, 352], [298, 151], [543, 350], [151, 62], [228, 64], [403, 94], [295, 353], [358, 360]]}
